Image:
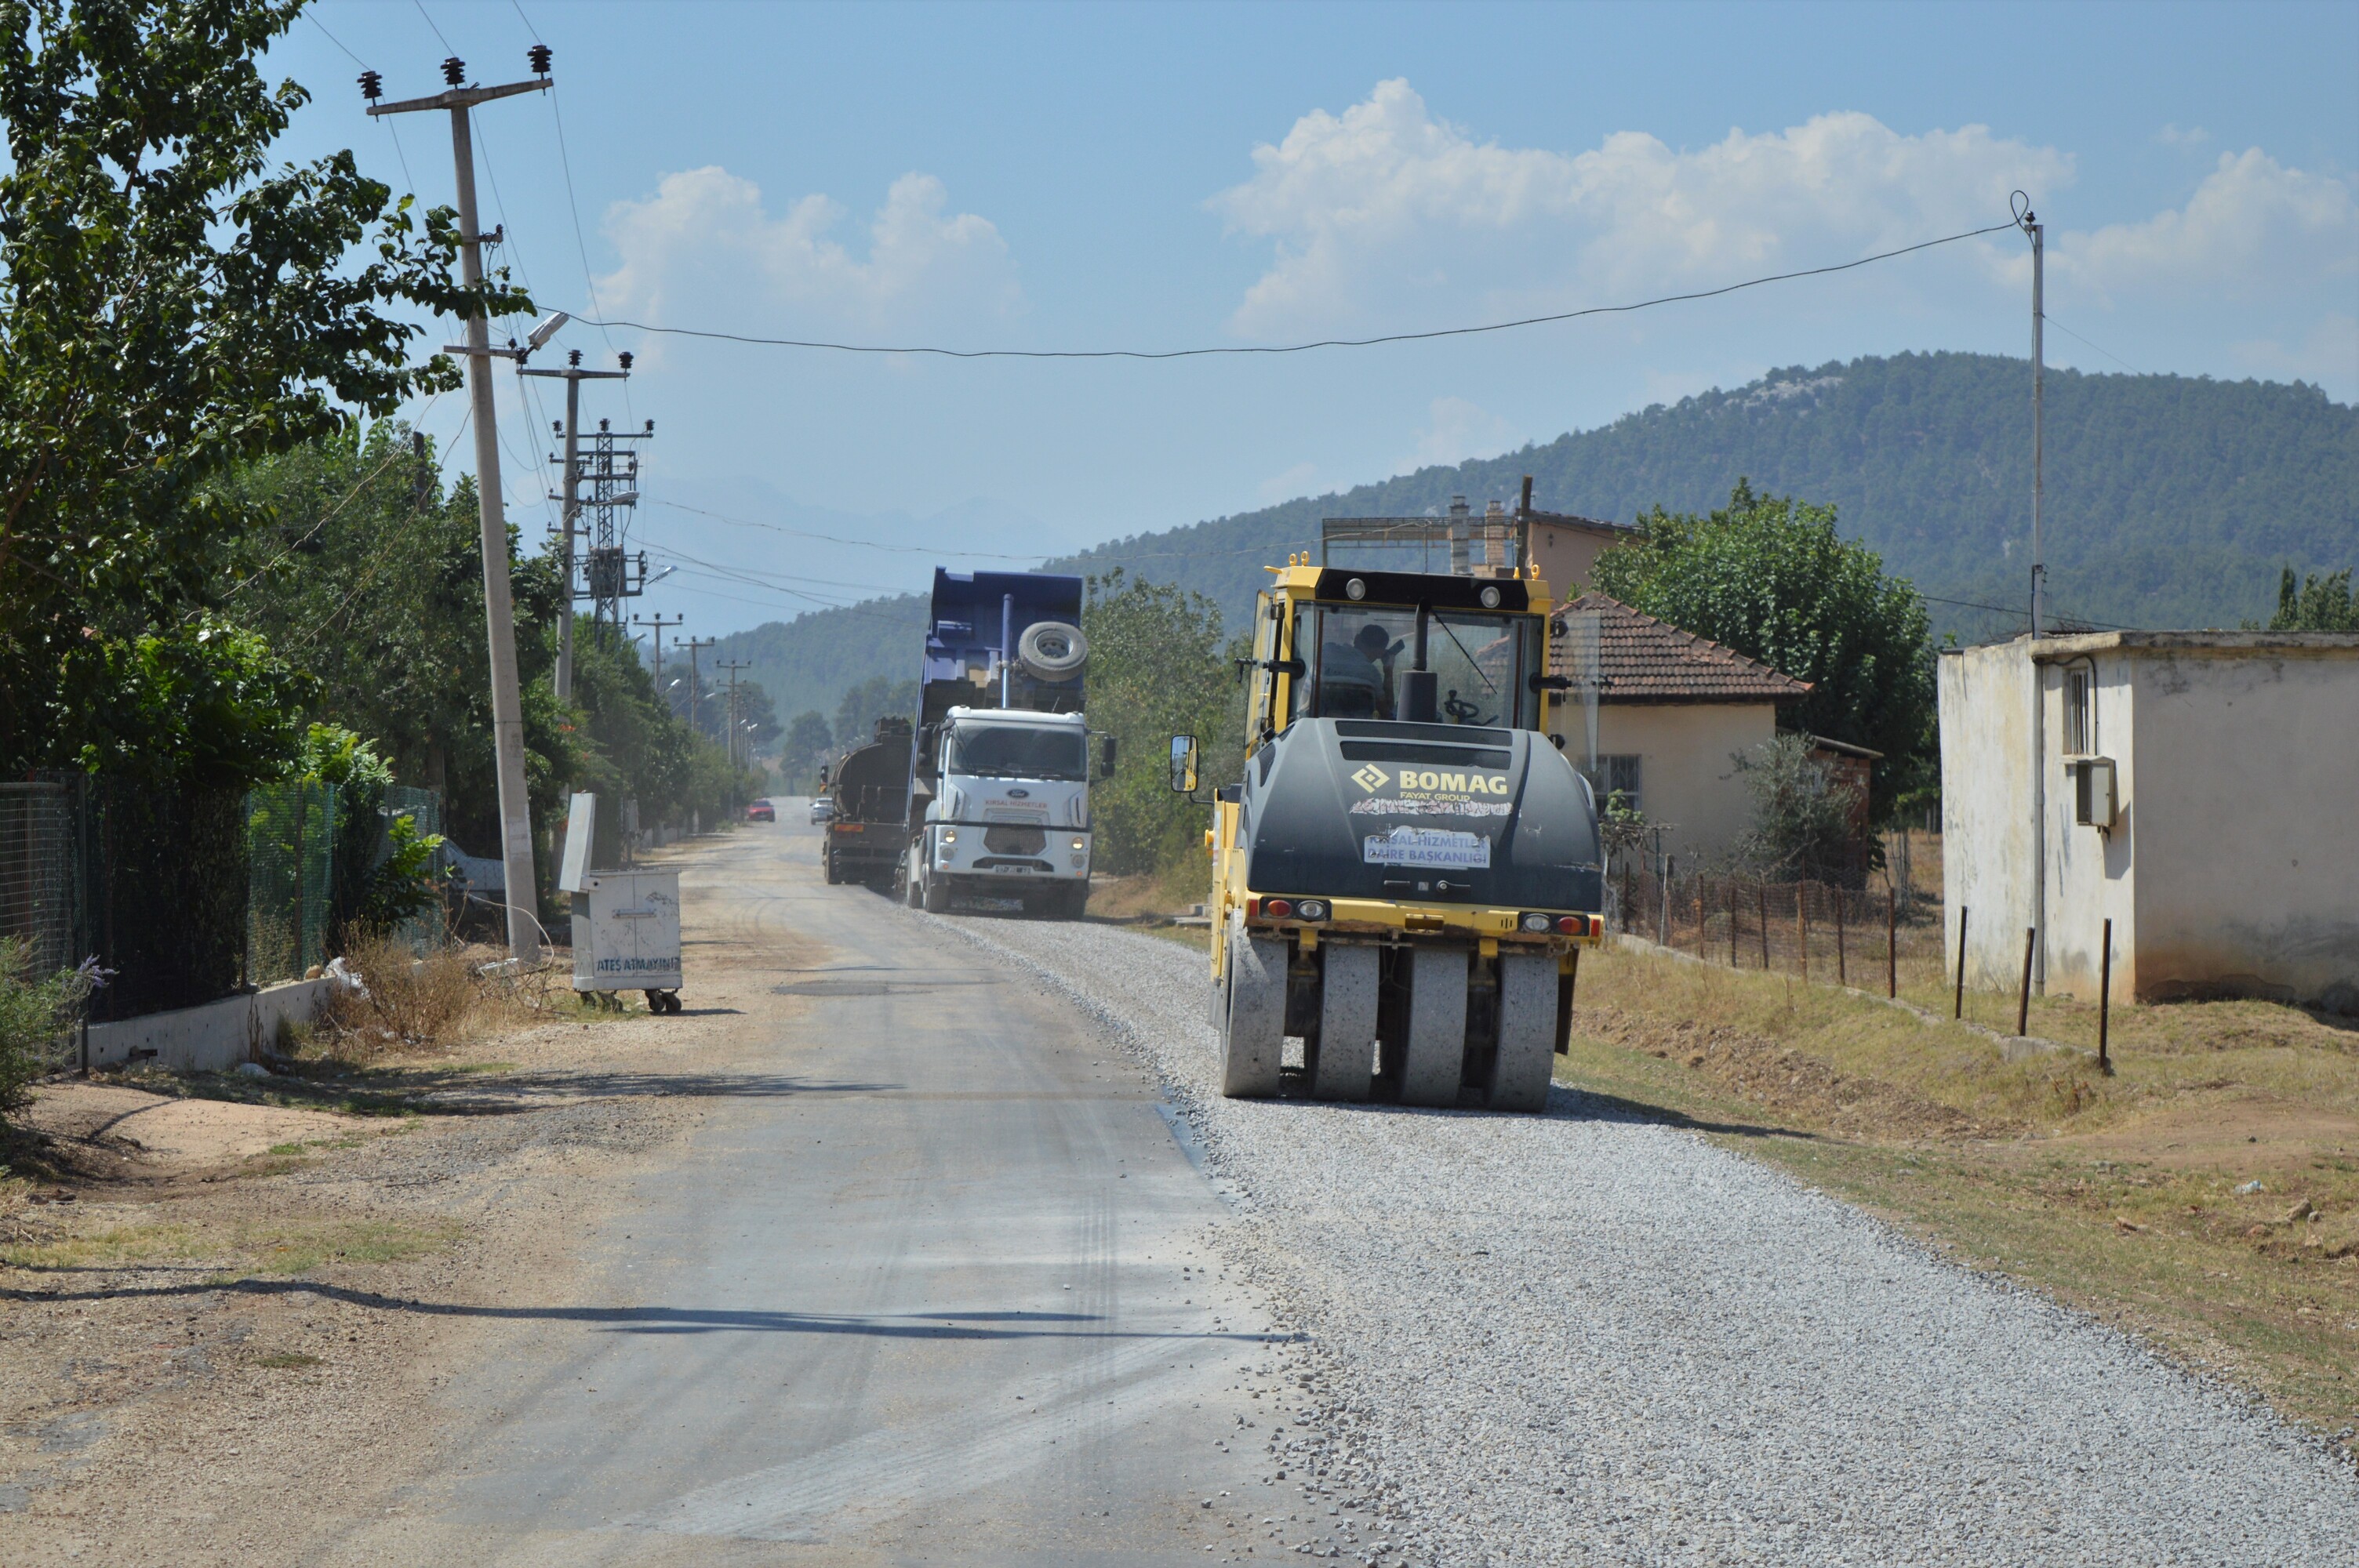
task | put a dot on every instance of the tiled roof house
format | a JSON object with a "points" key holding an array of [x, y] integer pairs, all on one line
{"points": [[1673, 711]]}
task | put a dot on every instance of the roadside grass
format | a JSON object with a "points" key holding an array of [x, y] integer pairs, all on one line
{"points": [[2132, 1197], [69, 1244]]}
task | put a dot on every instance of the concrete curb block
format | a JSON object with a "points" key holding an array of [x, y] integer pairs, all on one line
{"points": [[212, 1037]]}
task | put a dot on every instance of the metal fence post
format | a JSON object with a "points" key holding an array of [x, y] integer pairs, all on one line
{"points": [[1958, 1006], [1891, 944], [2105, 1000], [1802, 927], [1761, 902], [2022, 994], [1843, 970]]}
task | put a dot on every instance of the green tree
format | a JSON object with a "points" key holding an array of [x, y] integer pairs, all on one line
{"points": [[878, 697], [1801, 813], [1769, 576], [1157, 667], [173, 306], [2322, 602], [370, 575], [807, 742]]}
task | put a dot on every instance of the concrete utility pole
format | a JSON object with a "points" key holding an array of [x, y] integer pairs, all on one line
{"points": [[733, 667], [2037, 233], [573, 376], [657, 642], [693, 645], [499, 614]]}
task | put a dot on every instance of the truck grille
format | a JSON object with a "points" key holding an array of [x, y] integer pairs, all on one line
{"points": [[1013, 841]]}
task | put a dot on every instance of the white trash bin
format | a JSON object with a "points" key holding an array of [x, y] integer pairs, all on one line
{"points": [[626, 924]]}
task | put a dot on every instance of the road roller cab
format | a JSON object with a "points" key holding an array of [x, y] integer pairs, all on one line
{"points": [[1405, 874]]}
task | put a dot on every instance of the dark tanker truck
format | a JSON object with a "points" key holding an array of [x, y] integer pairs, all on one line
{"points": [[870, 792]]}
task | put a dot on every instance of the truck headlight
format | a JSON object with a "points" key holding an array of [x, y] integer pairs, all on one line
{"points": [[1080, 842], [950, 834]]}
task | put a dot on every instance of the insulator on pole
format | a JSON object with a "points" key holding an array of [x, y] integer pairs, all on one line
{"points": [[372, 86], [454, 71], [539, 57]]}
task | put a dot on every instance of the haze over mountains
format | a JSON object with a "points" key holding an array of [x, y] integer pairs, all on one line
{"points": [[2171, 501]]}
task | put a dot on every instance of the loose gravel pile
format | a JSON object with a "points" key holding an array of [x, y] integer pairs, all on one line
{"points": [[1586, 1339]]}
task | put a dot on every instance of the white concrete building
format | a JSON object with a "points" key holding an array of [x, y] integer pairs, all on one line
{"points": [[2200, 790]]}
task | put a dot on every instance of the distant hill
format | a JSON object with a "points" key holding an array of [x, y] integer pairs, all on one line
{"points": [[2171, 501], [808, 663]]}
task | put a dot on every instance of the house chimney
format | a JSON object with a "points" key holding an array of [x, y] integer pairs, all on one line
{"points": [[1461, 527]]}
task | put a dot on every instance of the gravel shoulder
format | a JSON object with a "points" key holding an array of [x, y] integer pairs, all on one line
{"points": [[1588, 1337]]}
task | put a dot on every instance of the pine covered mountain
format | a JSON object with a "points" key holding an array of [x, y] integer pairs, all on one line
{"points": [[2171, 501]]}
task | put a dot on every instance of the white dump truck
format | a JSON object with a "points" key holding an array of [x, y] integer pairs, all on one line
{"points": [[1000, 769]]}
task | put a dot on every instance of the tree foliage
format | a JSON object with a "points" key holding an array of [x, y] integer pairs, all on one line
{"points": [[173, 306], [1158, 667], [1769, 576], [1802, 813], [2320, 602]]}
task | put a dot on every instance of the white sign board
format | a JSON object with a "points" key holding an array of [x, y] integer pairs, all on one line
{"points": [[581, 823], [1426, 848]]}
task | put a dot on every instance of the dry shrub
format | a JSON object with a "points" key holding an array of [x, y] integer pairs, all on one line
{"points": [[410, 1002]]}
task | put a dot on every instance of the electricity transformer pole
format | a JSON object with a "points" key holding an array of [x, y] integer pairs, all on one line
{"points": [[574, 375], [521, 892], [613, 574]]}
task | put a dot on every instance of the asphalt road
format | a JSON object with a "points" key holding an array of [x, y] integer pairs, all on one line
{"points": [[927, 1294]]}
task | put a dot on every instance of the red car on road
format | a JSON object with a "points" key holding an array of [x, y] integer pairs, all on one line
{"points": [[761, 811]]}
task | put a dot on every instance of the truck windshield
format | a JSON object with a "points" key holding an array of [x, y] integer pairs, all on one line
{"points": [[1018, 751], [1356, 657]]}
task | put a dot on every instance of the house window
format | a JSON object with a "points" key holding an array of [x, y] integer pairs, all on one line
{"points": [[2080, 710], [1613, 774]]}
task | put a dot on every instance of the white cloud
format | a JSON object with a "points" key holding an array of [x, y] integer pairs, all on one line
{"points": [[1459, 429], [1386, 207], [703, 248], [2189, 137], [1296, 481], [2327, 355], [1386, 216], [2252, 230]]}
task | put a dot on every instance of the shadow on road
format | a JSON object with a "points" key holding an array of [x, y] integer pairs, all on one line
{"points": [[985, 1325]]}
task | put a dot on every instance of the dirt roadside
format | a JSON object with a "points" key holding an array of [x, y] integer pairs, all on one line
{"points": [[221, 1331]]}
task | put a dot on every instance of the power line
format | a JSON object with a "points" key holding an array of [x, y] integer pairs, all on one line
{"points": [[2098, 347], [1294, 347], [430, 22]]}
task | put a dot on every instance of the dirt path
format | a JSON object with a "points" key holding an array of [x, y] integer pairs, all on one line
{"points": [[227, 1327]]}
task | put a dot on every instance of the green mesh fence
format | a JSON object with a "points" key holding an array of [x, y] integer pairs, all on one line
{"points": [[290, 844], [430, 927]]}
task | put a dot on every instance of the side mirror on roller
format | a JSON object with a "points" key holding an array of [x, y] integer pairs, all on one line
{"points": [[1183, 764], [1105, 755]]}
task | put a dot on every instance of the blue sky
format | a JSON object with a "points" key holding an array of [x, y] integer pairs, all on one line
{"points": [[1051, 176]]}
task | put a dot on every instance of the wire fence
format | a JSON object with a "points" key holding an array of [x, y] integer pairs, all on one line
{"points": [[430, 927], [1877, 940], [292, 853]]}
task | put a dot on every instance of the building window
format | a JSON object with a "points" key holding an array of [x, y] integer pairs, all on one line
{"points": [[1616, 773], [2080, 710]]}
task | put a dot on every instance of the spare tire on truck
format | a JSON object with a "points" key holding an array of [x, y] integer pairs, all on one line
{"points": [[1052, 651]]}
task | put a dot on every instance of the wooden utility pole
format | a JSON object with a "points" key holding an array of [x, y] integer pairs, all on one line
{"points": [[521, 893]]}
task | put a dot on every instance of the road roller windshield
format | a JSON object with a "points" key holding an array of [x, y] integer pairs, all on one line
{"points": [[1356, 657]]}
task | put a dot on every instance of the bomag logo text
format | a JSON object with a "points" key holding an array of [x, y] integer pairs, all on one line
{"points": [[1456, 784]]}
